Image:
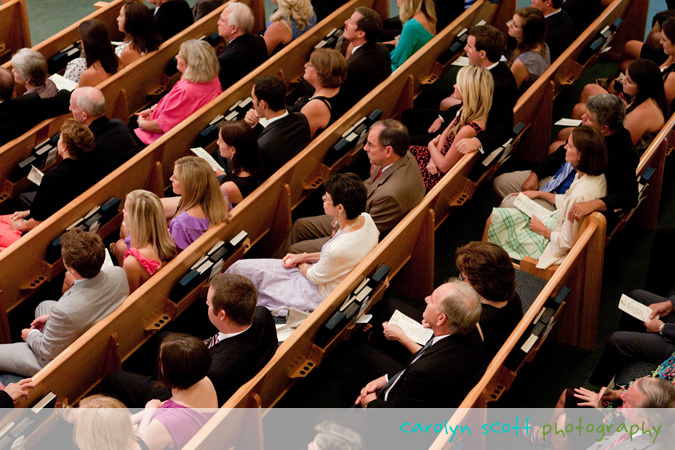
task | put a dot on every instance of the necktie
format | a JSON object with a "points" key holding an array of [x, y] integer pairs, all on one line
{"points": [[379, 172], [210, 342], [559, 177], [390, 384]]}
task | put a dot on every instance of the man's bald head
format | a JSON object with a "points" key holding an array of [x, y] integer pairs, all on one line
{"points": [[6, 84], [87, 104]]}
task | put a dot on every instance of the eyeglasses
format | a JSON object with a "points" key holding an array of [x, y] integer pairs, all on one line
{"points": [[309, 64]]}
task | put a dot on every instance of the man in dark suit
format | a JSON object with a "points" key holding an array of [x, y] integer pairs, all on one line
{"points": [[18, 115], [244, 51], [284, 134], [394, 188], [171, 17], [201, 8], [442, 372], [114, 144], [559, 26], [484, 47], [245, 342], [368, 61]]}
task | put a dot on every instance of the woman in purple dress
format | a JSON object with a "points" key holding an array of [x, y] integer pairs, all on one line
{"points": [[201, 203], [184, 362]]}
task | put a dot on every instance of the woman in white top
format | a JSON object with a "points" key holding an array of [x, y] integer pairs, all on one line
{"points": [[304, 280], [519, 236]]}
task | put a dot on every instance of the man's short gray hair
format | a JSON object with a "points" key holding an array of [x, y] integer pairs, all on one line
{"points": [[607, 109], [91, 101], [31, 64], [462, 307], [240, 16]]}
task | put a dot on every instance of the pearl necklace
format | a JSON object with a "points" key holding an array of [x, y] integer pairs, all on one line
{"points": [[356, 222]]}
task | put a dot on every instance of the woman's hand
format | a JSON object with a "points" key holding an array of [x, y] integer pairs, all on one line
{"points": [[592, 399], [145, 114], [434, 142], [20, 215], [531, 194], [292, 260], [539, 228], [432, 168]]}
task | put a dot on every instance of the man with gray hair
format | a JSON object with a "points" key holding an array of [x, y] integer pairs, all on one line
{"points": [[244, 51], [606, 113], [113, 142], [442, 372]]}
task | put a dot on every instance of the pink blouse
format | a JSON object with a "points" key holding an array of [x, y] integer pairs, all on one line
{"points": [[182, 101]]}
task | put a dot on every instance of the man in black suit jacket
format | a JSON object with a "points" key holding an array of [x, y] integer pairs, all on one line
{"points": [[368, 63], [484, 47], [114, 144], [442, 372], [244, 51], [285, 134], [171, 17], [18, 115], [245, 342], [559, 26]]}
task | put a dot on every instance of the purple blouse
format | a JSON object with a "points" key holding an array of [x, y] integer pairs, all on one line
{"points": [[186, 229], [180, 421]]}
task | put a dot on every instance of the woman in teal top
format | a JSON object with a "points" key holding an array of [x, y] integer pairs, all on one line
{"points": [[419, 26]]}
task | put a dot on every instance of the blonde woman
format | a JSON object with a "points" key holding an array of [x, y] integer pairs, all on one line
{"points": [[326, 71], [474, 89], [419, 26], [199, 85], [147, 245], [104, 422], [201, 203], [291, 19]]}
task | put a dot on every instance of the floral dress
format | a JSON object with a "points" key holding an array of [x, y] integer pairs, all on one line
{"points": [[422, 155]]}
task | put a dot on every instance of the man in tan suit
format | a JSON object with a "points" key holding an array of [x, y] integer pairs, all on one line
{"points": [[394, 188]]}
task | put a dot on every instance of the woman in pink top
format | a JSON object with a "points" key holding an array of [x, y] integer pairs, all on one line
{"points": [[199, 85], [184, 362], [146, 244]]}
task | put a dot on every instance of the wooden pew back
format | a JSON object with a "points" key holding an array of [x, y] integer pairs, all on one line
{"points": [[14, 30]]}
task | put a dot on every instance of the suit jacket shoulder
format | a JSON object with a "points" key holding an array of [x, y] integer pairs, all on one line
{"points": [[243, 55], [281, 140], [367, 67], [394, 193], [238, 359]]}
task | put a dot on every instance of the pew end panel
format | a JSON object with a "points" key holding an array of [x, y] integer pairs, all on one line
{"points": [[633, 28]]}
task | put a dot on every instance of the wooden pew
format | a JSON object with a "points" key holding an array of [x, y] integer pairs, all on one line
{"points": [[535, 107], [281, 177], [14, 30]]}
